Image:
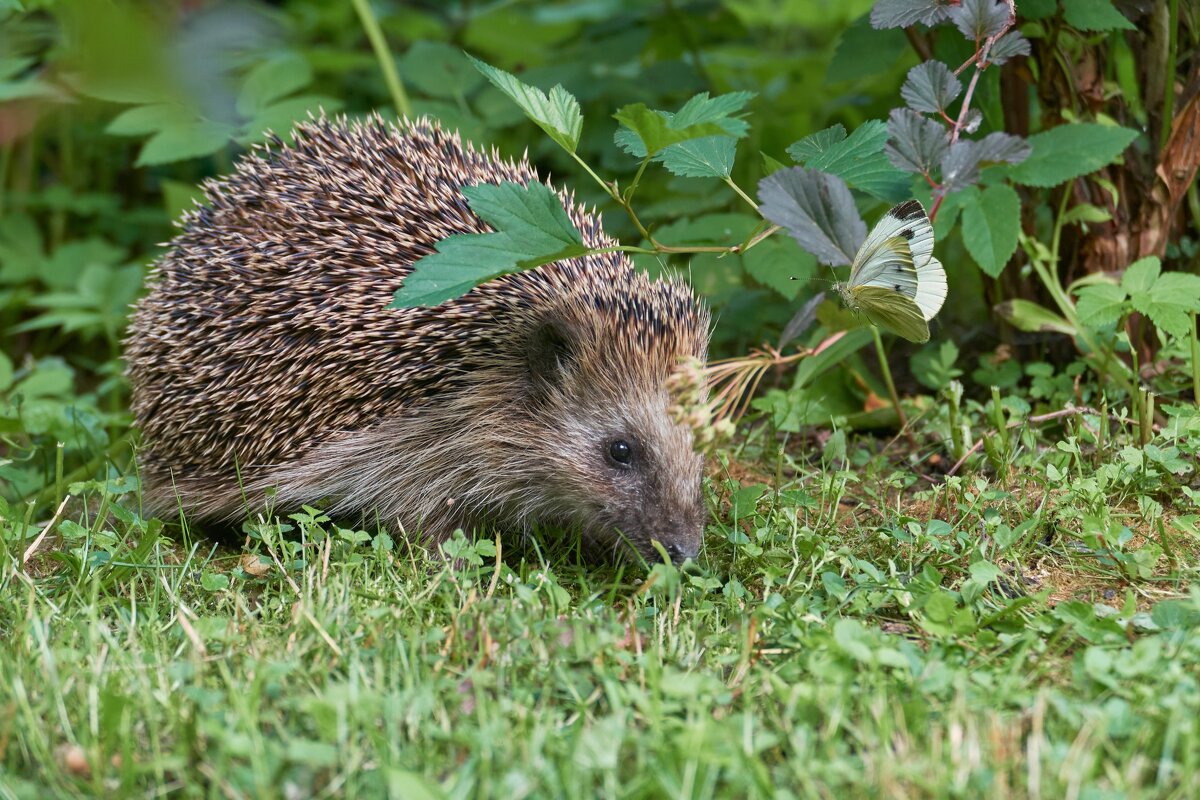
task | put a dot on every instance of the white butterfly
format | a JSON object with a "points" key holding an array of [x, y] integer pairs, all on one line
{"points": [[895, 280]]}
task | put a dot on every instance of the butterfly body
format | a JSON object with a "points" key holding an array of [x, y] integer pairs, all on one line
{"points": [[895, 281]]}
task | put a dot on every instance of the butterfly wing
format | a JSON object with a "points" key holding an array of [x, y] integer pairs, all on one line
{"points": [[896, 246], [890, 309], [931, 288]]}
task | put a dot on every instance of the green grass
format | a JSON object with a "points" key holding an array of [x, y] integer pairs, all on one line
{"points": [[857, 632]]}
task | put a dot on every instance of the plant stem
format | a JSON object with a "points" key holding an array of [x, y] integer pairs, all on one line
{"points": [[1168, 112], [741, 194], [386, 62], [1195, 362], [887, 379]]}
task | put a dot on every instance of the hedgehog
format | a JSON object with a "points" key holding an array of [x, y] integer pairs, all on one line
{"points": [[268, 372]]}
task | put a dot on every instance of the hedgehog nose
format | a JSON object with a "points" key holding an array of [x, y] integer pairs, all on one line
{"points": [[680, 553]]}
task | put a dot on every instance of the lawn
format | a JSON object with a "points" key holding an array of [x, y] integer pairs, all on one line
{"points": [[950, 552], [856, 631]]}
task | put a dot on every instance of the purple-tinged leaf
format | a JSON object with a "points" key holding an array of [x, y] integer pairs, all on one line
{"points": [[816, 208], [930, 87], [1010, 45], [1003, 147], [960, 165], [801, 321], [915, 144], [979, 19], [903, 13]]}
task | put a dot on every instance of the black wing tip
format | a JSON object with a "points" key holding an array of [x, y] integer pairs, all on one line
{"points": [[909, 209]]}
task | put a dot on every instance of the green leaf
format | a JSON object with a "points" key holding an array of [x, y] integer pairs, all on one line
{"points": [[179, 142], [1032, 318], [438, 70], [990, 227], [6, 372], [557, 114], [778, 262], [1095, 15], [531, 228], [144, 120], [280, 117], [1168, 300], [1070, 151], [709, 157], [1100, 304], [657, 132], [271, 81], [858, 159], [214, 581], [1141, 275]]}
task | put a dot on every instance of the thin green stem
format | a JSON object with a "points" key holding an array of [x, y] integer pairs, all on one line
{"points": [[887, 379], [1168, 113], [741, 194], [1063, 301], [637, 179], [383, 54], [1195, 362]]}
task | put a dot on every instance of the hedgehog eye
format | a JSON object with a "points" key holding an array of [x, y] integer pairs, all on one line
{"points": [[621, 452]]}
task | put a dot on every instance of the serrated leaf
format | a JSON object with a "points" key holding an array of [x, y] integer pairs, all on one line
{"points": [[1069, 151], [1003, 147], [720, 109], [1008, 46], [438, 70], [656, 132], [1095, 15], [915, 143], [271, 81], [930, 87], [858, 159], [557, 113], [990, 227], [701, 111], [979, 19], [1167, 299], [815, 144], [1033, 318], [709, 157], [183, 141], [960, 166], [817, 209], [1100, 304], [143, 120], [531, 228], [1141, 275], [903, 13]]}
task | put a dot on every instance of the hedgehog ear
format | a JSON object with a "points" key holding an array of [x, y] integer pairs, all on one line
{"points": [[550, 356]]}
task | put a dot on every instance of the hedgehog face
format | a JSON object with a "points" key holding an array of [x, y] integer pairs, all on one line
{"points": [[618, 466]]}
